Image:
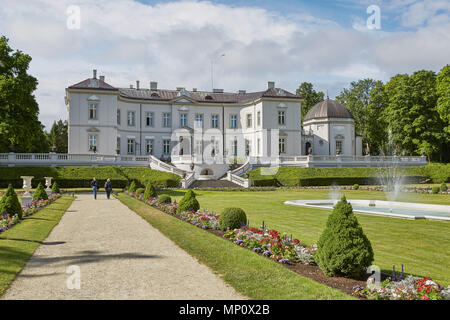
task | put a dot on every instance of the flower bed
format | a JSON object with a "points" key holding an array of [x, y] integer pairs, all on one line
{"points": [[7, 222], [411, 288]]}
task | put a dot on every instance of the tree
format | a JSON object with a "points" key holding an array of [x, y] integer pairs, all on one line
{"points": [[376, 132], [310, 96], [357, 99], [10, 203], [343, 248], [58, 136], [443, 107], [413, 118], [19, 110]]}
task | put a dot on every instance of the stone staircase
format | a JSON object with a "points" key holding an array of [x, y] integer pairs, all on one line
{"points": [[214, 184]]}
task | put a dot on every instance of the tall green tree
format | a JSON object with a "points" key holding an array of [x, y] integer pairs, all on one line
{"points": [[310, 96], [443, 108], [58, 136], [19, 111], [376, 125], [412, 114], [356, 99]]}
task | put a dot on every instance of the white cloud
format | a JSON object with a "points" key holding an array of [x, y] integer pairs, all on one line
{"points": [[173, 43]]}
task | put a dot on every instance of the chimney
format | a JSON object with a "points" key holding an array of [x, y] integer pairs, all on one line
{"points": [[153, 85], [180, 88], [137, 84], [131, 86], [102, 78], [194, 89], [242, 91], [270, 85], [217, 90], [95, 74]]}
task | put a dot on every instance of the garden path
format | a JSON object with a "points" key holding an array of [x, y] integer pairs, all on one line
{"points": [[118, 256]]}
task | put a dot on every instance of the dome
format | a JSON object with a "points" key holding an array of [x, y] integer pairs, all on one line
{"points": [[328, 109]]}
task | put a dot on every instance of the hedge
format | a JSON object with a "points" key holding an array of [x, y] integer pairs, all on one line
{"points": [[80, 177], [298, 176]]}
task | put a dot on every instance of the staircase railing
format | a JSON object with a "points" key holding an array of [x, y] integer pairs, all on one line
{"points": [[157, 164], [188, 180]]}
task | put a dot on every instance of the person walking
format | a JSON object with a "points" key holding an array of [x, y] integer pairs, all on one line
{"points": [[94, 185], [108, 188]]}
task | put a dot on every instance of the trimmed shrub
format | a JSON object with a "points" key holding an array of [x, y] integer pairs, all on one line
{"points": [[164, 198], [188, 202], [132, 187], [232, 218], [55, 188], [150, 191], [10, 203], [355, 186], [443, 187], [435, 190], [343, 248], [140, 190], [39, 193]]}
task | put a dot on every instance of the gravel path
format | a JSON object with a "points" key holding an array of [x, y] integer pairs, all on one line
{"points": [[119, 256]]}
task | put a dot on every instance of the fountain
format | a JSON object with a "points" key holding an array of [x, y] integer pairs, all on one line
{"points": [[26, 197]]}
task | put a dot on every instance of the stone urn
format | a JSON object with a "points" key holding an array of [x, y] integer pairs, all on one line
{"points": [[48, 184], [26, 197]]}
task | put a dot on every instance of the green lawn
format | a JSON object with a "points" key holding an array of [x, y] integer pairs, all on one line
{"points": [[422, 246], [19, 243], [250, 274]]}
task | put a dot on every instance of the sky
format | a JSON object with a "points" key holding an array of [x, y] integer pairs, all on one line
{"points": [[248, 43]]}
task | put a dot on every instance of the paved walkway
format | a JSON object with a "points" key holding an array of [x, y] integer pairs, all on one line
{"points": [[119, 256]]}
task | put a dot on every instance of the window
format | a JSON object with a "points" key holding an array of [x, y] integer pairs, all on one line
{"points": [[166, 119], [199, 120], [247, 147], [339, 147], [166, 147], [281, 118], [258, 118], [281, 145], [233, 121], [118, 116], [149, 119], [131, 118], [234, 147], [183, 120], [93, 143], [92, 111], [259, 146], [214, 147], [130, 145], [249, 120], [215, 121], [149, 146], [118, 143]]}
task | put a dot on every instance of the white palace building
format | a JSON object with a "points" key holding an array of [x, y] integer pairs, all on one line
{"points": [[202, 135]]}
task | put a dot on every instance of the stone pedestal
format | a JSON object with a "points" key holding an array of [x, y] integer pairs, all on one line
{"points": [[26, 197], [48, 183]]}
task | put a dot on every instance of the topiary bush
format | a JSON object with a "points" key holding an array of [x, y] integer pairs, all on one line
{"points": [[10, 203], [443, 187], [164, 198], [232, 218], [39, 193], [343, 248], [150, 191], [140, 190], [188, 202], [55, 188], [355, 186], [435, 190], [132, 187]]}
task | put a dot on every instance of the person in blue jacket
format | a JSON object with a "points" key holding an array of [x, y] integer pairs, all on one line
{"points": [[94, 186]]}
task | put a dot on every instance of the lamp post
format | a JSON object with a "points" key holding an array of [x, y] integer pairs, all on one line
{"points": [[212, 69]]}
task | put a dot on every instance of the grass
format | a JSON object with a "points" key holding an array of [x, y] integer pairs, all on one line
{"points": [[422, 246], [250, 274], [18, 244]]}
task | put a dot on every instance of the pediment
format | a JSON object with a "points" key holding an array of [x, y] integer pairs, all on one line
{"points": [[93, 98], [183, 100], [93, 130], [339, 137]]}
